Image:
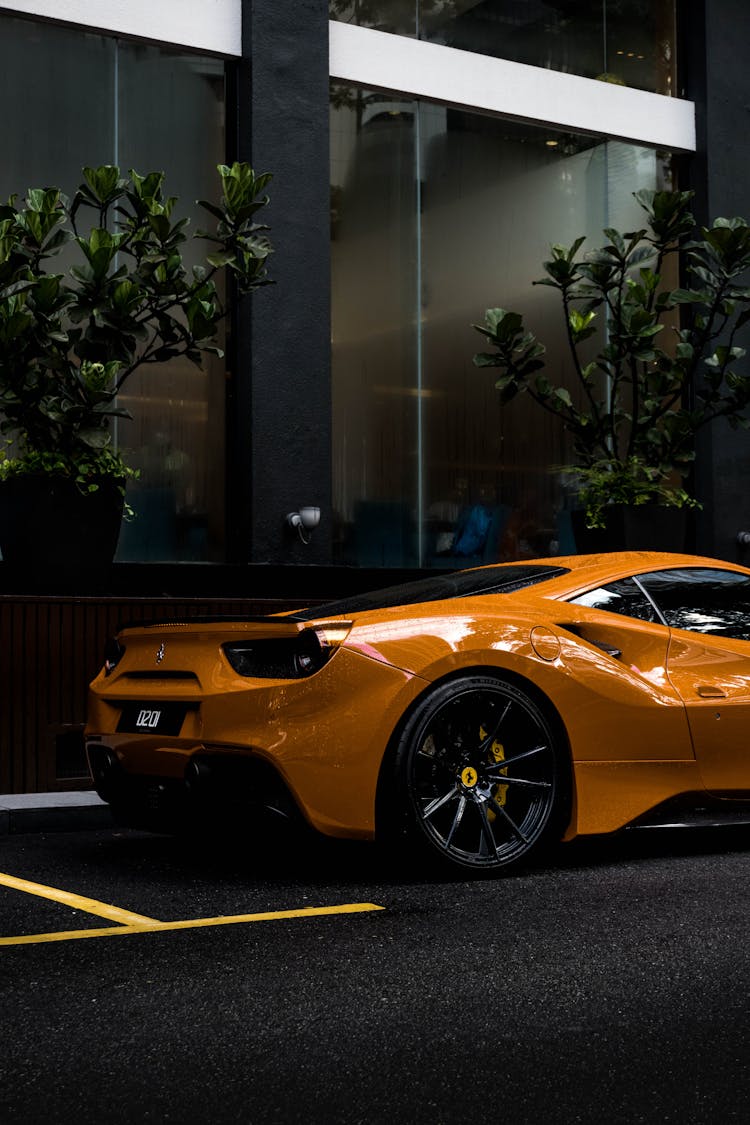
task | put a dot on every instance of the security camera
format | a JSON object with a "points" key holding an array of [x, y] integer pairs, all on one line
{"points": [[310, 517], [304, 520]]}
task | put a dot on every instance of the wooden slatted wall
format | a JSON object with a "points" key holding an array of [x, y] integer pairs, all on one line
{"points": [[50, 649]]}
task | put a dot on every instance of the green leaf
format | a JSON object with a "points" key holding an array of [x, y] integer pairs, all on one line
{"points": [[687, 297], [581, 324], [222, 258], [486, 359], [217, 212], [104, 182]]}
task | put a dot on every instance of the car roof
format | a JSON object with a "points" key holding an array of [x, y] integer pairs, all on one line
{"points": [[586, 571]]}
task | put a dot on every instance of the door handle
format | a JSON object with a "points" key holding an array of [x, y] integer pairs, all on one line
{"points": [[708, 691]]}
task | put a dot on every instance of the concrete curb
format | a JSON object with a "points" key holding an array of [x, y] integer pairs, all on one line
{"points": [[52, 812]]}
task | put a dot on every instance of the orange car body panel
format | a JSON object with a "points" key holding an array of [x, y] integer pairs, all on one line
{"points": [[632, 723]]}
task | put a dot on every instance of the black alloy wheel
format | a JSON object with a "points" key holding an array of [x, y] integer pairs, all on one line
{"points": [[483, 779]]}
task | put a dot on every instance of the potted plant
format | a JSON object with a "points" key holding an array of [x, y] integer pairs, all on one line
{"points": [[644, 392], [70, 341]]}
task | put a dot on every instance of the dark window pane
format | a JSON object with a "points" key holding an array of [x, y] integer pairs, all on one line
{"points": [[94, 100], [619, 597], [171, 116], [399, 16], [63, 81], [703, 600], [436, 214], [626, 42]]}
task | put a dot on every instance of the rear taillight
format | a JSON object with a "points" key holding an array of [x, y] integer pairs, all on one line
{"points": [[287, 658], [113, 654]]}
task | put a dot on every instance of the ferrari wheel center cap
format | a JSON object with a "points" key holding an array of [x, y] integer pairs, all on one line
{"points": [[469, 777]]}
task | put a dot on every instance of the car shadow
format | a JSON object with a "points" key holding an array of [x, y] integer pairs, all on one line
{"points": [[639, 845], [288, 858]]}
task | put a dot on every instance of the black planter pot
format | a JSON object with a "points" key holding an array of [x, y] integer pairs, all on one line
{"points": [[49, 527], [646, 527]]}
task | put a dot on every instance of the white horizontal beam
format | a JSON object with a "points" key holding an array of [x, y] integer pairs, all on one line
{"points": [[378, 60], [214, 26]]}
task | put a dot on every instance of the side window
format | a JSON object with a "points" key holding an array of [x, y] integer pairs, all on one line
{"points": [[702, 600], [622, 597]]}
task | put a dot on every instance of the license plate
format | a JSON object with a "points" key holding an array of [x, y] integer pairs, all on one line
{"points": [[152, 718]]}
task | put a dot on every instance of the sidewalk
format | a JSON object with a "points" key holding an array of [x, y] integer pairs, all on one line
{"points": [[52, 812]]}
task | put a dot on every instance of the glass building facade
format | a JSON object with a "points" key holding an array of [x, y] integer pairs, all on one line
{"points": [[440, 207], [97, 99]]}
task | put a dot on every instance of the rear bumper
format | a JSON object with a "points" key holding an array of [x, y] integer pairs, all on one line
{"points": [[221, 787]]}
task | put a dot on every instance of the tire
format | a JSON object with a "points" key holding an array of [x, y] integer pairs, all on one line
{"points": [[482, 781]]}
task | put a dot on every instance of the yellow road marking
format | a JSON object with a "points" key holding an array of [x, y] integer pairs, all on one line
{"points": [[150, 926], [87, 905]]}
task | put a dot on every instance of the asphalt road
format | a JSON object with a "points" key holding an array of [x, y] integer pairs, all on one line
{"points": [[609, 986]]}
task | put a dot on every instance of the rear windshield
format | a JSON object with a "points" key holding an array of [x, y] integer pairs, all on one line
{"points": [[462, 584]]}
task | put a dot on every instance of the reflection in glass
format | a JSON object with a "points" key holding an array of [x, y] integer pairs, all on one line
{"points": [[398, 16], [176, 436], [623, 597], [702, 600], [628, 42], [438, 214], [374, 344], [96, 100]]}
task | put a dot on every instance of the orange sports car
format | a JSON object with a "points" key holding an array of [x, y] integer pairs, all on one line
{"points": [[473, 716]]}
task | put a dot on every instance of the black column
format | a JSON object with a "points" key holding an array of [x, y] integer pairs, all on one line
{"points": [[717, 78], [280, 393]]}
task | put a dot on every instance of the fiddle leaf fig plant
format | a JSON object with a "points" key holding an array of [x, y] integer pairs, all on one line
{"points": [[71, 339], [652, 383]]}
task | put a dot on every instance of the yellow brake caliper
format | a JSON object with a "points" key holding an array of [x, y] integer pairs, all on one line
{"points": [[500, 792]]}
